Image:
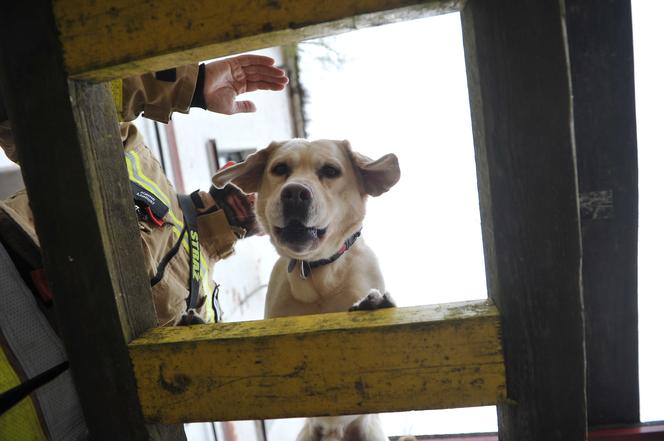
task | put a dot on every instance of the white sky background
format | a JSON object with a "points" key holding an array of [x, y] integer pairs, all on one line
{"points": [[402, 89]]}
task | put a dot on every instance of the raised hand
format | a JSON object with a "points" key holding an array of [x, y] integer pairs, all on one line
{"points": [[228, 78]]}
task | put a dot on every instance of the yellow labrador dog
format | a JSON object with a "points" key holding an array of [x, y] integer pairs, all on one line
{"points": [[311, 198]]}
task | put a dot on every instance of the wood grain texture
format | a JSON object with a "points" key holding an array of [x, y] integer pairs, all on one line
{"points": [[72, 164], [3, 109], [109, 39], [343, 363], [520, 96], [602, 61]]}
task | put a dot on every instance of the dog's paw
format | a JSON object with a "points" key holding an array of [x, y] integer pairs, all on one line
{"points": [[374, 300], [190, 318]]}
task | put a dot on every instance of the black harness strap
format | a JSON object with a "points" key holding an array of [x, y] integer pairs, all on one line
{"points": [[189, 214], [161, 268], [13, 396]]}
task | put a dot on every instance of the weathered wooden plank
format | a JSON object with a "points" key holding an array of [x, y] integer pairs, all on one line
{"points": [[72, 163], [521, 107], [602, 65], [343, 363], [119, 38], [3, 110]]}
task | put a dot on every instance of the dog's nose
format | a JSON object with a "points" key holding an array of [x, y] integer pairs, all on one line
{"points": [[295, 193], [295, 201]]}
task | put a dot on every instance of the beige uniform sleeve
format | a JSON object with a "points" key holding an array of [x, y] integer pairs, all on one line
{"points": [[158, 98]]}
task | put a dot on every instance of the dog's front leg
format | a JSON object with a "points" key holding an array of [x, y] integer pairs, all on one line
{"points": [[374, 300], [366, 428], [309, 432]]}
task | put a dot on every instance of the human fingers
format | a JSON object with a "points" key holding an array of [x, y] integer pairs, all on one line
{"points": [[266, 71], [249, 59], [256, 78], [243, 107], [263, 85]]}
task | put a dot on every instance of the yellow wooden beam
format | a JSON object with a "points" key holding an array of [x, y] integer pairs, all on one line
{"points": [[423, 357], [108, 39]]}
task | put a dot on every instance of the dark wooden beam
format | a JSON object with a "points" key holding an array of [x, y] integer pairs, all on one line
{"points": [[520, 95], [72, 163], [602, 62], [3, 109]]}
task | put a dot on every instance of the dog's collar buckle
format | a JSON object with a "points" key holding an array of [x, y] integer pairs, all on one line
{"points": [[306, 267]]}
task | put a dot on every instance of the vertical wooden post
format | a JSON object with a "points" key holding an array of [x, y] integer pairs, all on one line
{"points": [[602, 65], [518, 77], [72, 163], [3, 110]]}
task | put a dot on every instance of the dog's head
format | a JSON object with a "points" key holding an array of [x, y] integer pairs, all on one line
{"points": [[311, 195]]}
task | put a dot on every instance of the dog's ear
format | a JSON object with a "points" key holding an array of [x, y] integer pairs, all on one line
{"points": [[247, 174], [378, 176]]}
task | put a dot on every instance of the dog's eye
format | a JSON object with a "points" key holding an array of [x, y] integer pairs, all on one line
{"points": [[280, 169], [329, 171]]}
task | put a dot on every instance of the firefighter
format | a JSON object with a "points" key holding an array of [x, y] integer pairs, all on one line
{"points": [[182, 237]]}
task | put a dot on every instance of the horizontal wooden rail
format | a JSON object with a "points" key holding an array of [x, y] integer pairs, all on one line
{"points": [[423, 357], [108, 39]]}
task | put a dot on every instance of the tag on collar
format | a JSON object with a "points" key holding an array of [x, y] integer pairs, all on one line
{"points": [[305, 268]]}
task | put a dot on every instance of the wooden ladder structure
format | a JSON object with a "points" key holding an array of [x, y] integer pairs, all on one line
{"points": [[536, 150]]}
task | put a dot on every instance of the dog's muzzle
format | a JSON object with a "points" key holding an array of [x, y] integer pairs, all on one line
{"points": [[296, 201]]}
